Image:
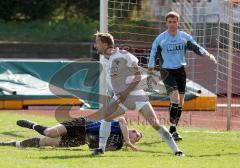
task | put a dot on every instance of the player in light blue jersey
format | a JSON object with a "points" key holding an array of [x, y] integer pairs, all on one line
{"points": [[170, 46]]}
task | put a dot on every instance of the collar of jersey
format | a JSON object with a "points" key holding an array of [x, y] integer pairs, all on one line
{"points": [[171, 35], [114, 52]]}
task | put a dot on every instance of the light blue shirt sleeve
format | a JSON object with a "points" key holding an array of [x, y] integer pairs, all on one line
{"points": [[194, 46], [151, 62]]}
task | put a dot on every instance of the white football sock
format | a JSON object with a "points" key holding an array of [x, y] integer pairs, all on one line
{"points": [[104, 133], [18, 144], [167, 137]]}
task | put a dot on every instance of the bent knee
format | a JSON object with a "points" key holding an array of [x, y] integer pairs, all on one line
{"points": [[43, 141], [50, 133], [175, 98], [46, 141]]}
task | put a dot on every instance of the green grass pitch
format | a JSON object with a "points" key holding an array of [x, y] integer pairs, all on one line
{"points": [[203, 149]]}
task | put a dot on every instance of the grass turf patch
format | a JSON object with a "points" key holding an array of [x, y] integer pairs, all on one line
{"points": [[203, 149]]}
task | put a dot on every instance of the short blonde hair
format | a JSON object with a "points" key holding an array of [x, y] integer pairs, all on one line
{"points": [[105, 38], [134, 131], [172, 14]]}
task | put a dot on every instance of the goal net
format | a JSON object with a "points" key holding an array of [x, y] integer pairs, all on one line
{"points": [[228, 69], [214, 25], [136, 23]]}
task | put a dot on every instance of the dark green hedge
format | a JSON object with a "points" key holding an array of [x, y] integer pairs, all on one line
{"points": [[48, 31], [29, 10]]}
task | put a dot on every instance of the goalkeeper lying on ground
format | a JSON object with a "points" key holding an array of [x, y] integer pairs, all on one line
{"points": [[78, 132]]}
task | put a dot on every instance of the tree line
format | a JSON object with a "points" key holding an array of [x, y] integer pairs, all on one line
{"points": [[29, 10]]}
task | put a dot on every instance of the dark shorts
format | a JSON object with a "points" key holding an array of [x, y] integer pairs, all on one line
{"points": [[76, 133], [174, 79]]}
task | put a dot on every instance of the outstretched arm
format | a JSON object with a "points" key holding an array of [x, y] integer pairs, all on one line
{"points": [[196, 48], [125, 132]]}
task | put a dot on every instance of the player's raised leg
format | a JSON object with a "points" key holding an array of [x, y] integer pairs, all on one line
{"points": [[104, 112]]}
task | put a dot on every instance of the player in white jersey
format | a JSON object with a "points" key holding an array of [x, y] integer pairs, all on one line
{"points": [[123, 77]]}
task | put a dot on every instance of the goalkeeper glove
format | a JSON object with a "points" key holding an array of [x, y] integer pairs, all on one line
{"points": [[211, 57]]}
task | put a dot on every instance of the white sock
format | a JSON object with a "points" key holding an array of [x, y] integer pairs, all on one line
{"points": [[33, 126], [167, 137], [174, 125], [18, 144], [104, 133]]}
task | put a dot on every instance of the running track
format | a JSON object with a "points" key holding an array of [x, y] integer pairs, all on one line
{"points": [[197, 119]]}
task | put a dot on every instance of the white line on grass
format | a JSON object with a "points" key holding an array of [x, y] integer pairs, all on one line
{"points": [[208, 132]]}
